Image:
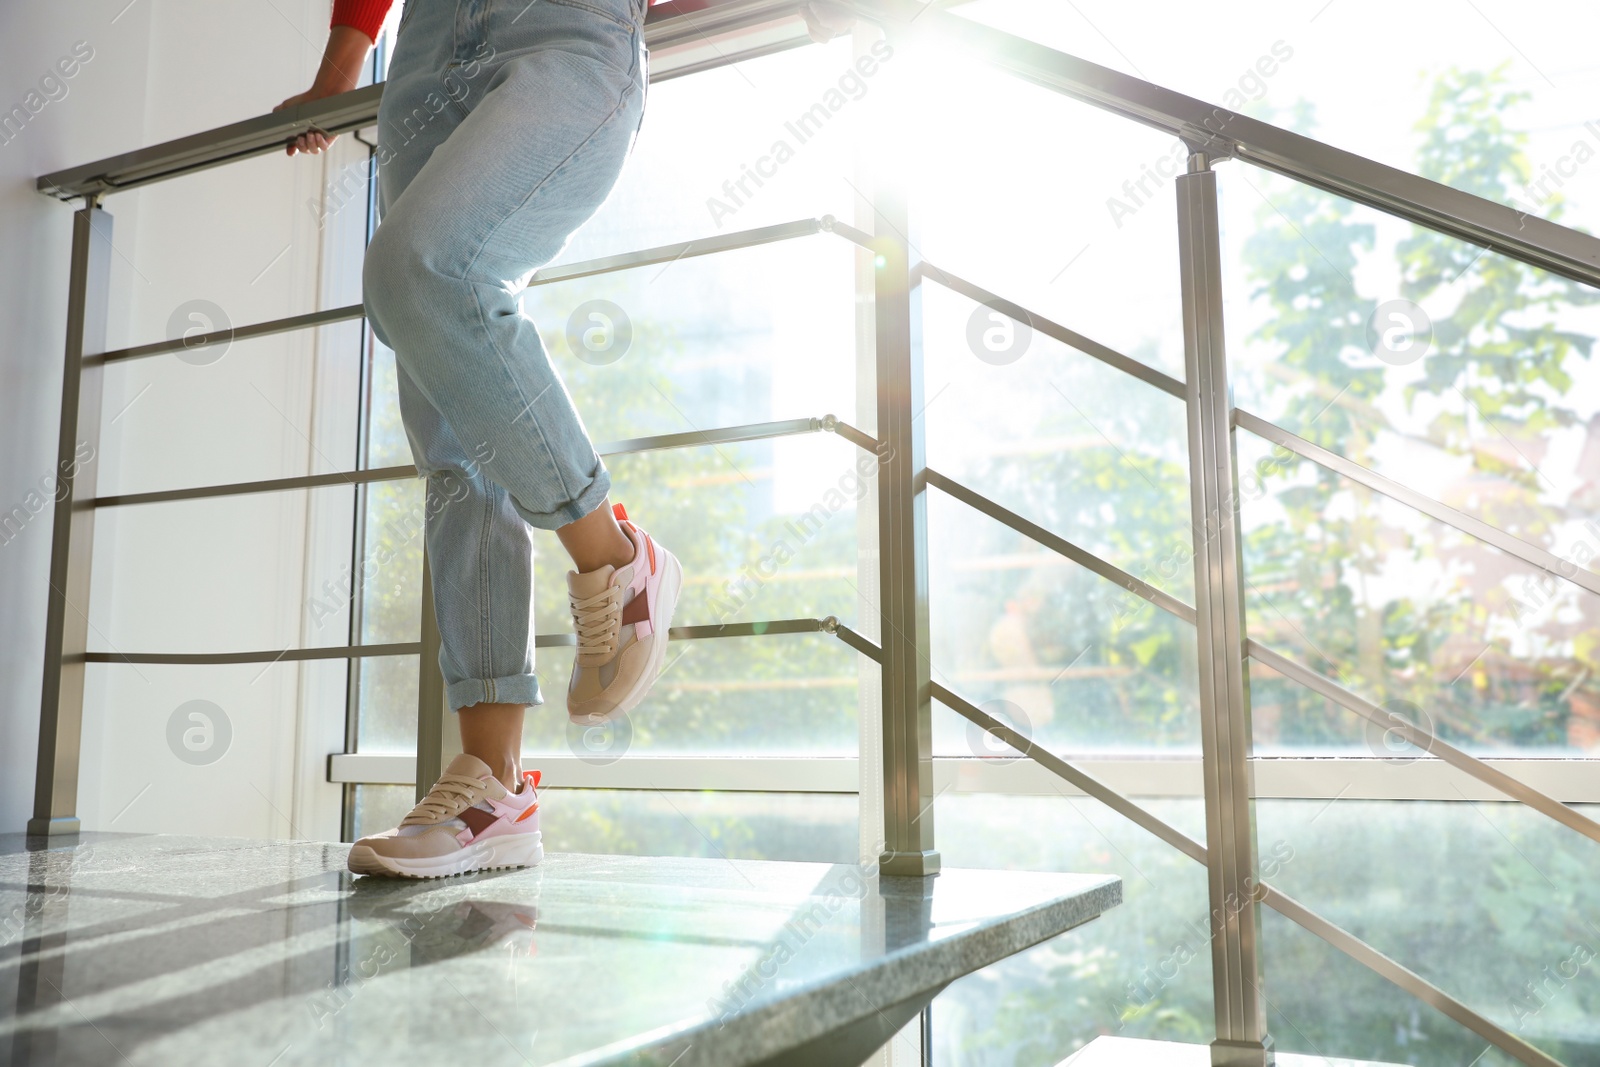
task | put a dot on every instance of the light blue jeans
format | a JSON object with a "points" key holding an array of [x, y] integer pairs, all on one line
{"points": [[504, 126]]}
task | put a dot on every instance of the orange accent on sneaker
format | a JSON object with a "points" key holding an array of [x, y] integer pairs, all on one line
{"points": [[651, 545], [534, 775], [531, 809], [620, 512]]}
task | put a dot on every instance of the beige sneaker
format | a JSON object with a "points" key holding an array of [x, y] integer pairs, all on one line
{"points": [[622, 615], [467, 822]]}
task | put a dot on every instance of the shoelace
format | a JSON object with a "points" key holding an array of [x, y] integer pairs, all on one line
{"points": [[598, 620], [450, 795]]}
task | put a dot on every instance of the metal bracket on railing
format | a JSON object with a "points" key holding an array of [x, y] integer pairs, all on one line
{"points": [[1211, 146]]}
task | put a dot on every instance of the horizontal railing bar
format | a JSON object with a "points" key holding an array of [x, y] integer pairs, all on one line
{"points": [[1049, 760], [1166, 777], [700, 246], [1061, 546], [310, 320], [224, 144], [1292, 909], [674, 25], [754, 431], [858, 642], [724, 435], [288, 655], [664, 69], [1403, 977], [1222, 132], [666, 26], [859, 438], [1087, 345], [730, 773], [853, 235], [1510, 544], [1285, 905], [1425, 740], [269, 485], [413, 648], [768, 628]]}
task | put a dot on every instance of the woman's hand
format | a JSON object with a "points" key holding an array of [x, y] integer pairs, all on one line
{"points": [[341, 67]]}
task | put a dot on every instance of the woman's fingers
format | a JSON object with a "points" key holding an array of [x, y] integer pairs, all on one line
{"points": [[311, 142]]}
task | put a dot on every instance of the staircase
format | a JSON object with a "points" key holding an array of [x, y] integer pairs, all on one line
{"points": [[167, 950]]}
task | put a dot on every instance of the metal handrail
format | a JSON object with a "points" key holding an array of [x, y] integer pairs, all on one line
{"points": [[1215, 132], [1403, 977], [720, 435], [685, 22], [1422, 738], [1061, 546], [690, 632], [1509, 543], [1224, 133], [272, 327], [1430, 743], [1512, 545], [1038, 323], [1086, 783], [644, 257], [1279, 901]]}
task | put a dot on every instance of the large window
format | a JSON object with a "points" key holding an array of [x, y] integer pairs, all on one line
{"points": [[1455, 373]]}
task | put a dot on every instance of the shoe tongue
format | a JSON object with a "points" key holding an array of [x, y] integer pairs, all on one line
{"points": [[590, 583], [470, 766]]}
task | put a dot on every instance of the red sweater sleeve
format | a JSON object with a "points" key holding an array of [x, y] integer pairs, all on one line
{"points": [[365, 15]]}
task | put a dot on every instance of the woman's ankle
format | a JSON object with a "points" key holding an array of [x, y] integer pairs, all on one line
{"points": [[493, 733]]}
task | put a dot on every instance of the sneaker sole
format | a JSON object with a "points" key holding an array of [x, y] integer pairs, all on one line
{"points": [[497, 853], [667, 602]]}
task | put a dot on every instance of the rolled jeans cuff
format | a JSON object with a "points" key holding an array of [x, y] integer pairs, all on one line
{"points": [[512, 689], [592, 496]]}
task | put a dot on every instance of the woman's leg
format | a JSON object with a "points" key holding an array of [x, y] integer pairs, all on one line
{"points": [[597, 540], [551, 115], [493, 733], [487, 183]]}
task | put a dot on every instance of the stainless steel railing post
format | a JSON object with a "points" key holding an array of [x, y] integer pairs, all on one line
{"points": [[55, 794], [1234, 918], [902, 544]]}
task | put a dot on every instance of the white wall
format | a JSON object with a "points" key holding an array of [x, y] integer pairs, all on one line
{"points": [[102, 113], [190, 577]]}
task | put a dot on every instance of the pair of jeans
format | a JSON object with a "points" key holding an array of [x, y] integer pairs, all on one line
{"points": [[504, 126]]}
